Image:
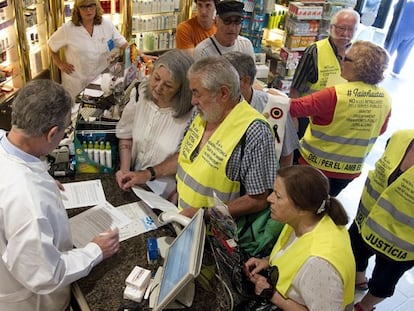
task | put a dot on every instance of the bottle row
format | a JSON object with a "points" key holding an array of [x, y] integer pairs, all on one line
{"points": [[154, 6], [99, 152], [153, 23], [150, 41]]}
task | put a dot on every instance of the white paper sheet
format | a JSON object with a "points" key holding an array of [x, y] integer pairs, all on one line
{"points": [[142, 218], [153, 200], [83, 193], [88, 224]]}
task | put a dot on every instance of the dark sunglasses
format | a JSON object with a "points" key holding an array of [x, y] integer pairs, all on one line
{"points": [[236, 21], [87, 6]]}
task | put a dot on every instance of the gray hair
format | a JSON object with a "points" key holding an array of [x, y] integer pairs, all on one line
{"points": [[215, 72], [177, 62], [243, 63], [39, 106], [350, 11]]}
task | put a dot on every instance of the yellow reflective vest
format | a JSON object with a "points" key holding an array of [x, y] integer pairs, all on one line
{"points": [[197, 179], [341, 146], [385, 216], [329, 68], [327, 241]]}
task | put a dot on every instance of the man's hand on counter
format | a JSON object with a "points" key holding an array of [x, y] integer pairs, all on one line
{"points": [[108, 241], [126, 180]]}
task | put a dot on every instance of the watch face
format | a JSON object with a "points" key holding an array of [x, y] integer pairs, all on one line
{"points": [[267, 293]]}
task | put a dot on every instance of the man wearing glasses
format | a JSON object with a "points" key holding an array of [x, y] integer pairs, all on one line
{"points": [[227, 39], [320, 63]]}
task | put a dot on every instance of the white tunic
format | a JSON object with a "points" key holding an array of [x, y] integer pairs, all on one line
{"points": [[38, 262], [207, 48], [154, 131], [88, 54]]}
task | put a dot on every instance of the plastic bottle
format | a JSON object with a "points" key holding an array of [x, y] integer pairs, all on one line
{"points": [[90, 150], [96, 152], [102, 153], [108, 155], [84, 146]]}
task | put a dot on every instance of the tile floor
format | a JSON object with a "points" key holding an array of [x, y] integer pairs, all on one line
{"points": [[402, 112]]}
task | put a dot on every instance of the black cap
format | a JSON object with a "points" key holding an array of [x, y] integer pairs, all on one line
{"points": [[229, 8]]}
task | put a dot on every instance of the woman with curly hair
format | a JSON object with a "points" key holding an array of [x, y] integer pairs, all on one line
{"points": [[88, 40], [346, 119]]}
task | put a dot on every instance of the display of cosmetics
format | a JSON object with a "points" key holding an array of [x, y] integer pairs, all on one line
{"points": [[277, 19], [153, 41]]}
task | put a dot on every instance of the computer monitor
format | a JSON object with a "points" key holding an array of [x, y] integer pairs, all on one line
{"points": [[182, 264]]}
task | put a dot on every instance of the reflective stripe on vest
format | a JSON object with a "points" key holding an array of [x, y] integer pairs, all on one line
{"points": [[198, 178], [342, 145], [385, 215]]}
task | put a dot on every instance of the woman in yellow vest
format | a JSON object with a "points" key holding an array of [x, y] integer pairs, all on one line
{"points": [[384, 223], [313, 253], [346, 119]]}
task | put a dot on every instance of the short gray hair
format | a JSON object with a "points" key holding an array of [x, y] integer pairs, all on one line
{"points": [[215, 72], [39, 106], [177, 62], [243, 63], [350, 11]]}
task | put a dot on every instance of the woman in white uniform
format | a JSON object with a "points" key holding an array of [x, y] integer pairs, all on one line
{"points": [[38, 262], [87, 41], [153, 123]]}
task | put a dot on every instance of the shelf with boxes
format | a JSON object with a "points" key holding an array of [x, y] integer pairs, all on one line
{"points": [[153, 24]]}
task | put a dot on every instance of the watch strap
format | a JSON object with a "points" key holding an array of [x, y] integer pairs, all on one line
{"points": [[152, 171]]}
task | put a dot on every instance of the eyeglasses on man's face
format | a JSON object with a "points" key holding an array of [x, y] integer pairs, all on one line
{"points": [[234, 20], [342, 29], [88, 6]]}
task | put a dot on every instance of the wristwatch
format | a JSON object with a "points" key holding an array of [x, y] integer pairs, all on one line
{"points": [[152, 171], [267, 293]]}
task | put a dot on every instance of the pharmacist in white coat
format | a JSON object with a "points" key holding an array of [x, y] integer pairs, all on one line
{"points": [[38, 262], [89, 43]]}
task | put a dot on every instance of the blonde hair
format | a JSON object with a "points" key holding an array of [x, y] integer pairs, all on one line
{"points": [[76, 17]]}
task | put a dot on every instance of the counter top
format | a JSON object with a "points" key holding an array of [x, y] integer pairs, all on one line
{"points": [[103, 287]]}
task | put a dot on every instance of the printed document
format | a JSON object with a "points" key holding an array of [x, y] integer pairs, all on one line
{"points": [[88, 224], [153, 200], [83, 193]]}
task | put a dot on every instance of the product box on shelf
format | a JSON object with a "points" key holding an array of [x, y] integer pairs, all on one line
{"points": [[305, 11], [291, 58], [298, 43], [296, 27]]}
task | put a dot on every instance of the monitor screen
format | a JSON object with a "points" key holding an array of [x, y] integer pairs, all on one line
{"points": [[182, 262]]}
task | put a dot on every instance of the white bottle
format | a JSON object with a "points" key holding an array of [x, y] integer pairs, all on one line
{"points": [[90, 150], [108, 155], [102, 154], [96, 152]]}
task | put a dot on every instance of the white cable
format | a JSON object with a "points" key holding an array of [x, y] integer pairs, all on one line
{"points": [[228, 291]]}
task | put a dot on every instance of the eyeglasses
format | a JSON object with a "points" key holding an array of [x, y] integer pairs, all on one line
{"points": [[87, 6], [342, 29], [347, 59], [236, 21]]}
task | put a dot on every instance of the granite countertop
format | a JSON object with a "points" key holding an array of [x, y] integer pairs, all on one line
{"points": [[103, 287]]}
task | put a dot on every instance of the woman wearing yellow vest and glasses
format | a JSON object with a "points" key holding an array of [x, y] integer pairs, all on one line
{"points": [[313, 252]]}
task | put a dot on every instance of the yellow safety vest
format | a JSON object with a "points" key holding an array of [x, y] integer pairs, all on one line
{"points": [[341, 146], [198, 179], [385, 216], [329, 68], [327, 241]]}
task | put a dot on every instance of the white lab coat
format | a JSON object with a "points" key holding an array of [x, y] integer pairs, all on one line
{"points": [[38, 262], [90, 55]]}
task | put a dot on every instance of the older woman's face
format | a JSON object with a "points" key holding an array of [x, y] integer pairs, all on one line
{"points": [[163, 87], [87, 10], [282, 207], [347, 67]]}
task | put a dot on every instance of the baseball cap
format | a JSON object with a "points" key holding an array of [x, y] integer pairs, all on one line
{"points": [[228, 8]]}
